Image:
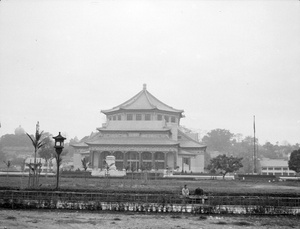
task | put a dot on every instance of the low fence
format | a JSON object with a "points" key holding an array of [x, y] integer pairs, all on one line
{"points": [[149, 202]]}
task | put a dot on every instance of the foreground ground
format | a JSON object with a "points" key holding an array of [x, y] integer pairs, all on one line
{"points": [[12, 219], [19, 219]]}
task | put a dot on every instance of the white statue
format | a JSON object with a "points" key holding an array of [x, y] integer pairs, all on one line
{"points": [[110, 163]]}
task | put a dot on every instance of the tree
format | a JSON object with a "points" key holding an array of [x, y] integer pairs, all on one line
{"points": [[244, 149], [15, 140], [8, 164], [2, 155], [224, 164], [294, 162], [85, 164], [47, 151], [107, 169], [218, 140], [37, 143]]}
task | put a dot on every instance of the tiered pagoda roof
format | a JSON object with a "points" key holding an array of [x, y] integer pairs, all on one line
{"points": [[144, 100]]}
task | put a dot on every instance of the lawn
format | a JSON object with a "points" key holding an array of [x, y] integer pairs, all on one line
{"points": [[232, 187]]}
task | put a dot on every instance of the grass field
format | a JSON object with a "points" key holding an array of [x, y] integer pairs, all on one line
{"points": [[162, 185]]}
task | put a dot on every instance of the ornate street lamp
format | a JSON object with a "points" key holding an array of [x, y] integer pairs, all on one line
{"points": [[59, 145]]}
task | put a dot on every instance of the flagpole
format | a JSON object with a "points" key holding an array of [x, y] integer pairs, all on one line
{"points": [[254, 152]]}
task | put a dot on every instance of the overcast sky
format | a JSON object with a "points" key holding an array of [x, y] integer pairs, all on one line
{"points": [[222, 62]]}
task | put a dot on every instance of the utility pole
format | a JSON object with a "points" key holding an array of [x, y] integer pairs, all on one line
{"points": [[254, 152]]}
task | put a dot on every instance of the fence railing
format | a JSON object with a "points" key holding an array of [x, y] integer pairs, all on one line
{"points": [[150, 202]]}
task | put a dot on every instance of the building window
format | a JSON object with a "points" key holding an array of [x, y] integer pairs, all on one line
{"points": [[285, 169], [147, 117], [173, 119], [129, 117], [114, 117], [277, 168], [167, 118], [138, 117], [119, 117], [109, 118], [159, 117], [264, 168]]}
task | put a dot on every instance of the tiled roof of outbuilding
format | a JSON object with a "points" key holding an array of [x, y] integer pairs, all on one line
{"points": [[274, 163], [79, 145], [188, 142], [82, 143]]}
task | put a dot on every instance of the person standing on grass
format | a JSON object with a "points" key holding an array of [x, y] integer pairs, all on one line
{"points": [[185, 191]]}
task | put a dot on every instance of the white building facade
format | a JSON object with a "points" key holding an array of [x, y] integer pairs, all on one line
{"points": [[276, 167], [143, 133]]}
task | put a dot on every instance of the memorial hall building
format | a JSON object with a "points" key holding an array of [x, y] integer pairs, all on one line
{"points": [[143, 133]]}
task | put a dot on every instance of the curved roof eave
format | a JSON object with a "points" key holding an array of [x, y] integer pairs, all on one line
{"points": [[133, 130], [79, 145], [137, 102], [133, 141], [183, 145]]}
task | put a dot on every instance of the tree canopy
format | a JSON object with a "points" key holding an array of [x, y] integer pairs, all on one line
{"points": [[218, 140], [294, 162], [9, 140], [225, 142], [223, 164], [47, 150]]}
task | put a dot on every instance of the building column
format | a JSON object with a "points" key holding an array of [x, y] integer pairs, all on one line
{"points": [[165, 161], [100, 160], [92, 158], [175, 160], [95, 159], [124, 159], [140, 158]]}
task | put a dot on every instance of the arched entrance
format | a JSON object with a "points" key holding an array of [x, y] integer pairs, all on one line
{"points": [[119, 160], [133, 160], [159, 160], [147, 161]]}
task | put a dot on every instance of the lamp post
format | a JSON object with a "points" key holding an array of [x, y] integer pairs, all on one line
{"points": [[59, 145]]}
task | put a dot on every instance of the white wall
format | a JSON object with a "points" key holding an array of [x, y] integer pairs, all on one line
{"points": [[197, 163], [170, 160], [77, 161], [96, 160]]}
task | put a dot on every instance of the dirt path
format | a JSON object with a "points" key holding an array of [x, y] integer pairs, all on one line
{"points": [[19, 219]]}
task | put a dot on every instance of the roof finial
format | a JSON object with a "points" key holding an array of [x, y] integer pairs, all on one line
{"points": [[144, 86]]}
